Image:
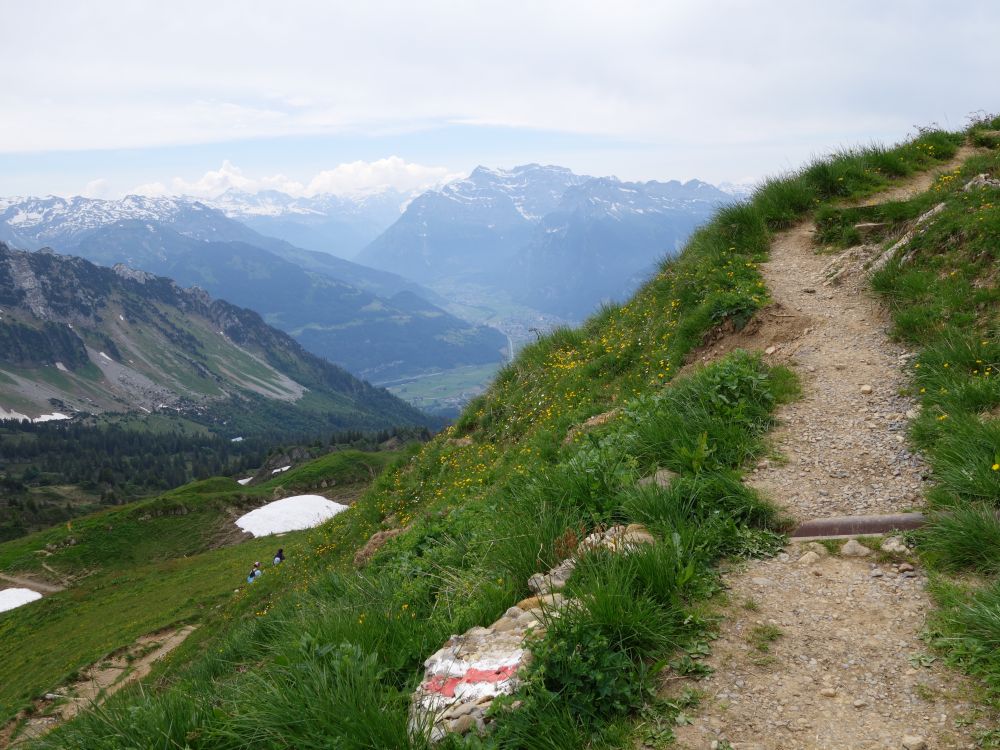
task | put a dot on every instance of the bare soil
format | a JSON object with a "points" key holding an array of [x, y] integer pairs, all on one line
{"points": [[100, 681]]}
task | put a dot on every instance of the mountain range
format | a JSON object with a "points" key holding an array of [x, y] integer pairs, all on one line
{"points": [[372, 322], [552, 240], [77, 337]]}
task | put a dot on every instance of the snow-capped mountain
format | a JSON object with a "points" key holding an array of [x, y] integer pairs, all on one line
{"points": [[470, 225], [558, 241], [36, 222]]}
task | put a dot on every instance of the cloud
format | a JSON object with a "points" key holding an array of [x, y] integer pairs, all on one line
{"points": [[99, 188], [677, 74], [344, 179], [359, 176]]}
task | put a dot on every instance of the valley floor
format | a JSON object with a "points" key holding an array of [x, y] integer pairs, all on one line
{"points": [[820, 650]]}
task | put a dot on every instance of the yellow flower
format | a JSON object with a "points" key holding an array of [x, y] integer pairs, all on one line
{"points": [[995, 467]]}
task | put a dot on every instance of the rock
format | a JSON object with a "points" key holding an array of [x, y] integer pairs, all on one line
{"points": [[860, 703], [914, 742], [760, 581], [905, 567], [828, 693], [555, 579], [894, 545], [771, 350], [877, 573], [981, 181], [809, 558], [463, 724], [462, 442], [854, 549], [546, 601], [818, 548], [662, 478], [866, 389]]}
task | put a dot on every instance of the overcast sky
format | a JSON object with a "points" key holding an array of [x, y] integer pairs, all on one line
{"points": [[105, 96]]}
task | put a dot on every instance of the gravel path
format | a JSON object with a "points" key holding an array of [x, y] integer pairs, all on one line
{"points": [[846, 668]]}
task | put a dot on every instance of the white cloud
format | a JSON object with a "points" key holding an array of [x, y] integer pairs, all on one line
{"points": [[359, 176], [99, 188], [344, 179]]}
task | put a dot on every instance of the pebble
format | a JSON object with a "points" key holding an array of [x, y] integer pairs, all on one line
{"points": [[853, 548], [860, 703], [866, 389], [914, 742], [809, 558], [828, 693]]}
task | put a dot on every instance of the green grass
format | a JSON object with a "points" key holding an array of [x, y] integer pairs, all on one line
{"points": [[341, 650], [945, 303], [147, 566]]}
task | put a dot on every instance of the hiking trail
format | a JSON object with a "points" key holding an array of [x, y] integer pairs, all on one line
{"points": [[820, 650]]}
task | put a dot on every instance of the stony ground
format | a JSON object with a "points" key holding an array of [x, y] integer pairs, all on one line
{"points": [[824, 651]]}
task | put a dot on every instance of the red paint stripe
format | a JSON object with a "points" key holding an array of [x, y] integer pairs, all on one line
{"points": [[446, 685]]}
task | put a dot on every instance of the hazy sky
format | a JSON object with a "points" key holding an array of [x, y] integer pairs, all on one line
{"points": [[104, 96]]}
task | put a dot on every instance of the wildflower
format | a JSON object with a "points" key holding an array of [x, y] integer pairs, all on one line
{"points": [[995, 467]]}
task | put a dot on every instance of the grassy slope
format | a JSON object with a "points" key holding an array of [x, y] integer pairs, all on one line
{"points": [[338, 653], [151, 564]]}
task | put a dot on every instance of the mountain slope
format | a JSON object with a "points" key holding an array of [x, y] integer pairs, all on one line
{"points": [[340, 310], [604, 239], [370, 336], [77, 337]]}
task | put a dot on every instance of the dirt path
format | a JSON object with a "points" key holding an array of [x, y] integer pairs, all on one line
{"points": [[31, 583], [99, 682], [824, 652]]}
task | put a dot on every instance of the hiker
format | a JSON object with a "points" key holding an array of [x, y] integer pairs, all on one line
{"points": [[279, 556], [255, 572]]}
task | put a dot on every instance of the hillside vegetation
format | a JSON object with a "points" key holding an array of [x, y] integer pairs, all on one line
{"points": [[142, 567], [333, 655]]}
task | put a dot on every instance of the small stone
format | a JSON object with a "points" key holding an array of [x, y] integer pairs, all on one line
{"points": [[877, 573], [828, 692], [894, 545], [771, 350], [760, 581], [866, 389], [853, 548], [809, 558], [818, 548], [860, 703], [905, 567], [914, 742]]}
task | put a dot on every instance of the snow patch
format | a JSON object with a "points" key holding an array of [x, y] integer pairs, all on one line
{"points": [[61, 367], [244, 481], [53, 417], [13, 598], [282, 469], [289, 514]]}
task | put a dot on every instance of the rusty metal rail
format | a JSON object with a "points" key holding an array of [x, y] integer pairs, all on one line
{"points": [[847, 526]]}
